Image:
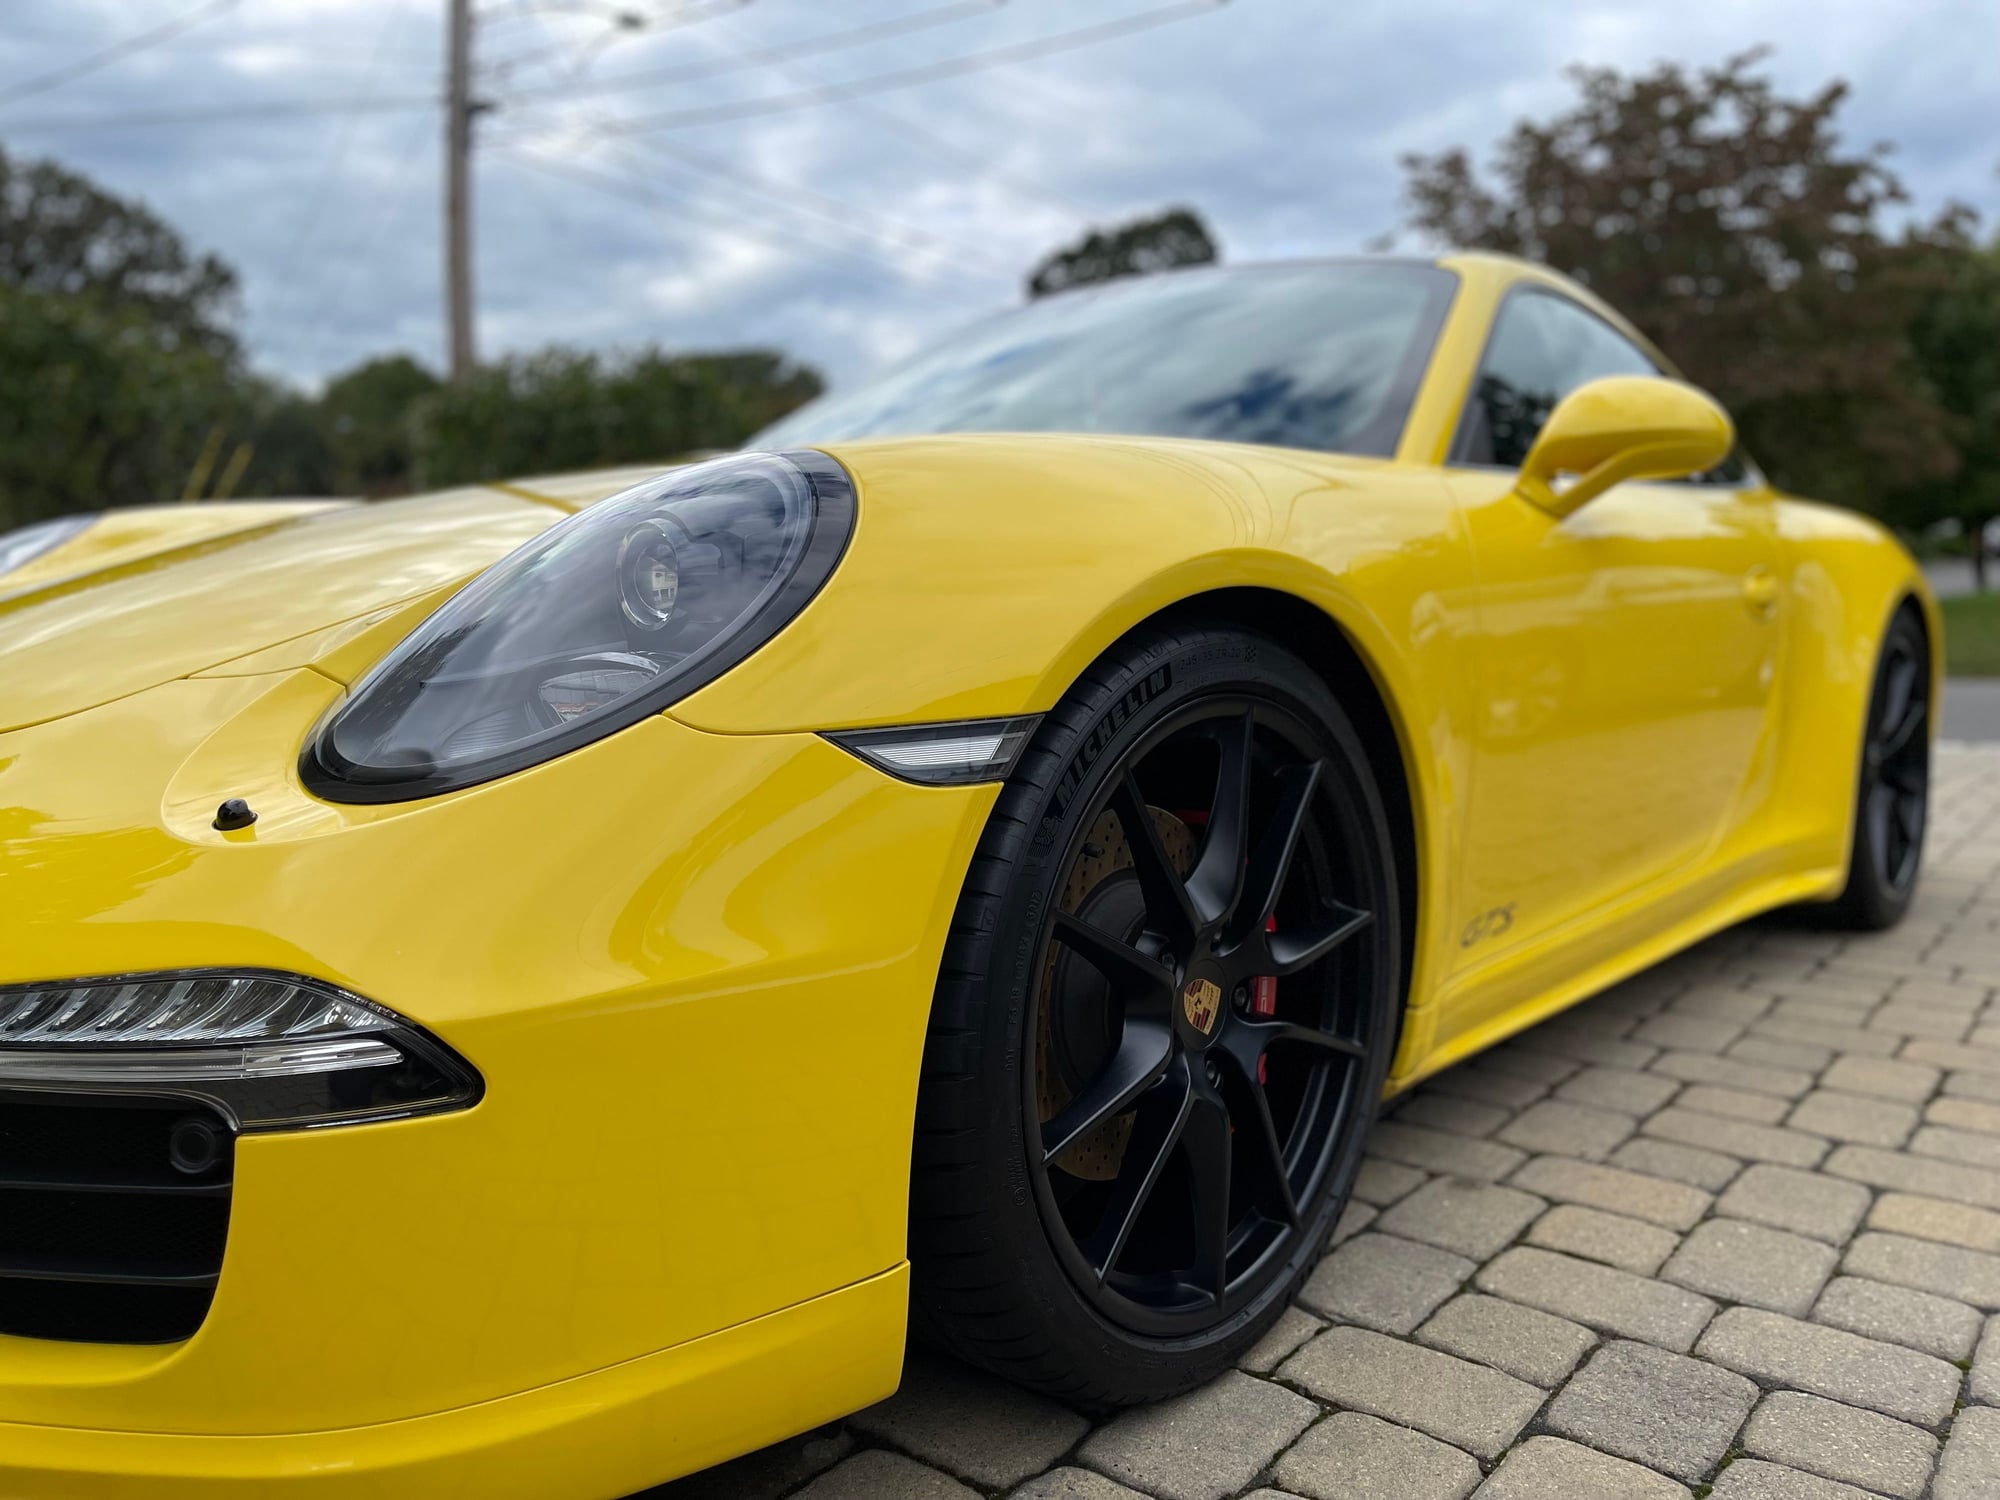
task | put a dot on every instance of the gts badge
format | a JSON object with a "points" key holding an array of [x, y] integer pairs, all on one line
{"points": [[1488, 924]]}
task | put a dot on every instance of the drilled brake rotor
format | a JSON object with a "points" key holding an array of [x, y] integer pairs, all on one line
{"points": [[1096, 1158]]}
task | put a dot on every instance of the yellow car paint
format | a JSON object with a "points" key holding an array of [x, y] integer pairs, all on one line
{"points": [[694, 960]]}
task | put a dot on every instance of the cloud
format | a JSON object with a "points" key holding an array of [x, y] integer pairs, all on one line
{"points": [[852, 232]]}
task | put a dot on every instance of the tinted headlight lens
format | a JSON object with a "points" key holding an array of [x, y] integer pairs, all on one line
{"points": [[608, 616], [269, 1051]]}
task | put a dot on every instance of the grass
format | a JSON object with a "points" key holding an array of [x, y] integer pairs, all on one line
{"points": [[1972, 635]]}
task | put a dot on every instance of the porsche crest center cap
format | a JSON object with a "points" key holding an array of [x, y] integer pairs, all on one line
{"points": [[1202, 1001]]}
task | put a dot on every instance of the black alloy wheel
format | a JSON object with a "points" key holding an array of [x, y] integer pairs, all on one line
{"points": [[1892, 806], [1180, 939]]}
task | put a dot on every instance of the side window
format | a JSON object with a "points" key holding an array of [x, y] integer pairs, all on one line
{"points": [[1543, 347]]}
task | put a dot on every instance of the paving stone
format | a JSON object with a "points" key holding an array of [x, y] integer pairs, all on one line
{"points": [[1530, 1345], [1772, 1143], [1529, 1062], [1548, 1468], [1854, 1117], [1897, 1315], [1564, 1180], [1949, 1180], [1832, 1363], [1439, 1151], [1294, 1326], [1201, 1446], [1624, 1090], [1970, 1469], [1383, 1182], [1825, 1208], [1984, 1086], [1077, 1484], [1883, 1077], [1448, 1112], [1464, 1404], [1966, 1146], [1771, 1052], [1844, 1041], [1968, 1275], [1352, 1456], [1739, 1262], [1560, 1128], [1600, 1297], [1629, 1244], [1734, 1073], [1470, 1081], [978, 1427], [1581, 1045], [1721, 1004], [878, 1474], [1984, 1386], [1666, 1411], [1461, 1214], [1688, 1033], [1956, 1056], [1934, 1219], [1754, 1479], [1964, 1114], [1707, 1170], [1842, 1442], [1383, 1282], [1737, 1104], [1920, 1020], [1354, 1217]]}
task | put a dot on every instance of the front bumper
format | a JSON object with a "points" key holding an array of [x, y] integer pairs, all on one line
{"points": [[694, 971]]}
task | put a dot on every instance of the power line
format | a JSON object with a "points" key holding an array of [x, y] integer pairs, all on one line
{"points": [[830, 41], [625, 23], [795, 198], [951, 67], [630, 187], [104, 56]]}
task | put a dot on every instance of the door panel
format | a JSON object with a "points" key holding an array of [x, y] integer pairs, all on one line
{"points": [[1627, 657]]}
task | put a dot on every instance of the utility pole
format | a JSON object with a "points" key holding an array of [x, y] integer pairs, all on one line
{"points": [[458, 111]]}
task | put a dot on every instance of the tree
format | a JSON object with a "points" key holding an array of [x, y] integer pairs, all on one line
{"points": [[369, 419], [1177, 237], [62, 234], [1733, 228], [566, 409], [1957, 340]]}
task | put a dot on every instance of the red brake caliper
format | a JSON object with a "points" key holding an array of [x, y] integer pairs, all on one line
{"points": [[1264, 995]]}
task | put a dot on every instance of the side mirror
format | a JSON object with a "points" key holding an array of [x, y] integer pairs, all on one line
{"points": [[1618, 428]]}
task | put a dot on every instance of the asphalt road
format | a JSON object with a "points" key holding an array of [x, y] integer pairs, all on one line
{"points": [[1972, 709]]}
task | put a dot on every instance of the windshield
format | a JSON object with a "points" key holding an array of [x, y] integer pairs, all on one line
{"points": [[1320, 355]]}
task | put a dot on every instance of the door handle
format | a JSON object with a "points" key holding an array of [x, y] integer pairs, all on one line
{"points": [[1760, 591]]}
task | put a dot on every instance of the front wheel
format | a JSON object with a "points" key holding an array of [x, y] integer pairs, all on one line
{"points": [[1165, 1014], [1892, 804]]}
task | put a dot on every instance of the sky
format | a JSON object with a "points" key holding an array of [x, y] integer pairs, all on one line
{"points": [[849, 180]]}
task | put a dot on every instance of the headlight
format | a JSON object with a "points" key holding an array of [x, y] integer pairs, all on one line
{"points": [[269, 1051], [30, 542], [608, 616]]}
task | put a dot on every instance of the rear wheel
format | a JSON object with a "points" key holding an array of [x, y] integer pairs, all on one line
{"points": [[1166, 1011], [1892, 804]]}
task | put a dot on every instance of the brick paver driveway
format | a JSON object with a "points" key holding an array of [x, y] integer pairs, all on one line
{"points": [[1732, 1228]]}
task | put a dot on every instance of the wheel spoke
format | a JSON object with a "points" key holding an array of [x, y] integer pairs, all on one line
{"points": [[1904, 731], [1131, 974], [1168, 908], [1272, 862], [1910, 780], [1205, 1138], [1880, 809], [1141, 1058], [1156, 1130], [1899, 694], [1293, 951], [1247, 1041], [1216, 884], [1258, 1106], [1910, 817]]}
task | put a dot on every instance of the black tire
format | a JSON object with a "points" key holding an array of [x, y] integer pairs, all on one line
{"points": [[1892, 802], [1015, 1201]]}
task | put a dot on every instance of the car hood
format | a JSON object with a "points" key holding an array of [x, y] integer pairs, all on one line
{"points": [[205, 593]]}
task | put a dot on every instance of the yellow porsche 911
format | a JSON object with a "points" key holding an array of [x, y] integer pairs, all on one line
{"points": [[520, 992]]}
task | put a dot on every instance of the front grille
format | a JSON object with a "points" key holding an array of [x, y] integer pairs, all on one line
{"points": [[103, 1238]]}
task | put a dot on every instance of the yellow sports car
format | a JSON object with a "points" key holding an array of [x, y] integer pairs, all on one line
{"points": [[520, 992]]}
